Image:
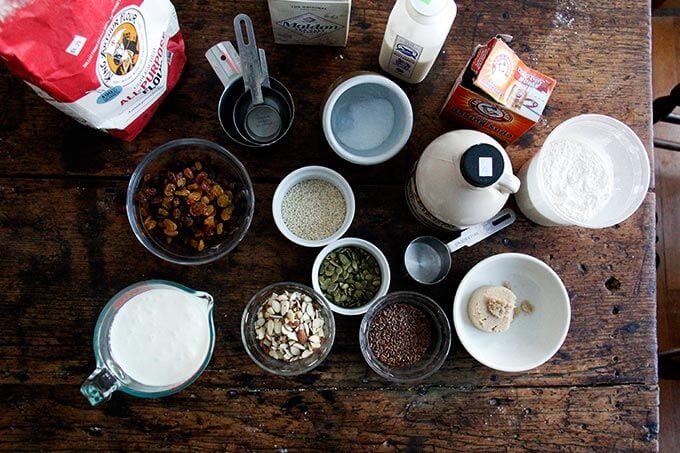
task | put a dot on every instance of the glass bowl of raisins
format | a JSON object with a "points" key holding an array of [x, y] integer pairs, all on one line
{"points": [[190, 201]]}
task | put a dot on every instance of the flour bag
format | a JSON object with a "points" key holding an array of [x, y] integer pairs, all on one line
{"points": [[106, 63]]}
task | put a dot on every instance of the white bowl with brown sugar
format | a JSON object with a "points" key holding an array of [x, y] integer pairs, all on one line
{"points": [[541, 313]]}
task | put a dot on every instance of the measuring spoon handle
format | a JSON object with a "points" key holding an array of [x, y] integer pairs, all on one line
{"points": [[250, 57], [476, 233]]}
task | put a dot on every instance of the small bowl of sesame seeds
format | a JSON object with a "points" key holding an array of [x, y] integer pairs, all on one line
{"points": [[313, 206]]}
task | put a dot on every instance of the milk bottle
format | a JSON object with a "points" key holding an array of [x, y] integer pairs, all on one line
{"points": [[415, 33]]}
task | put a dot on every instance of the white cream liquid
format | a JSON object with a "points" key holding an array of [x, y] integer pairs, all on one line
{"points": [[161, 337]]}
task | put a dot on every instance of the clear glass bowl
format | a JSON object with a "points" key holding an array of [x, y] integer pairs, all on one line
{"points": [[252, 345], [224, 164], [435, 355]]}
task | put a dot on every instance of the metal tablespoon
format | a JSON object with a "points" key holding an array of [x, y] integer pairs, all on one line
{"points": [[428, 260]]}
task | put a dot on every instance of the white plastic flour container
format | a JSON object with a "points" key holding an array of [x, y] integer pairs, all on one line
{"points": [[592, 171], [415, 33]]}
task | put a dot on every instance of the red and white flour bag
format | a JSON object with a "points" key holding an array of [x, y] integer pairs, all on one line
{"points": [[106, 63]]}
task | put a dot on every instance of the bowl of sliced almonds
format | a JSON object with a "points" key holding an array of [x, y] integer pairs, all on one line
{"points": [[287, 329]]}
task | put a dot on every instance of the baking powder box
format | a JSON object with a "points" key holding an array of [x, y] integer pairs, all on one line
{"points": [[498, 94], [310, 22]]}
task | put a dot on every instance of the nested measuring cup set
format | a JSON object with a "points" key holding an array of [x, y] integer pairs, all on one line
{"points": [[255, 109]]}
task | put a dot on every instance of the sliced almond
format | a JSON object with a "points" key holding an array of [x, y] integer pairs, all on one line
{"points": [[298, 346], [276, 306], [285, 306]]}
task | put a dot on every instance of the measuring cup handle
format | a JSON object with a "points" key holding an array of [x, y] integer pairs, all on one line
{"points": [[250, 57], [264, 69], [225, 61], [476, 233], [99, 386]]}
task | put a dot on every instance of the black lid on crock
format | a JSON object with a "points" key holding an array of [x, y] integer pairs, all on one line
{"points": [[482, 165]]}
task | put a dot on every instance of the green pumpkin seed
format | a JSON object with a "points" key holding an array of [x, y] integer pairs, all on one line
{"points": [[350, 276]]}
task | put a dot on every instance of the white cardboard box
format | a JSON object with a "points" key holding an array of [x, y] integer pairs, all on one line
{"points": [[310, 22]]}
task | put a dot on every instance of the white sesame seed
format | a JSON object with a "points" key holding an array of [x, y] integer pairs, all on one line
{"points": [[313, 209]]}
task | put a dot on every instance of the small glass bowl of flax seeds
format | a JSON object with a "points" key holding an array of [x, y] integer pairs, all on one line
{"points": [[405, 337]]}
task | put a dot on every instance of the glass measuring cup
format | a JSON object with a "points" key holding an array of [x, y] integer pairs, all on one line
{"points": [[428, 259], [108, 375]]}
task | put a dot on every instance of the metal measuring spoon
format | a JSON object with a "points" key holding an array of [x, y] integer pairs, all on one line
{"points": [[260, 121], [428, 260]]}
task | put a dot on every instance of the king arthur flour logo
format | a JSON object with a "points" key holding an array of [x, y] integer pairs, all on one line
{"points": [[309, 25], [122, 49]]}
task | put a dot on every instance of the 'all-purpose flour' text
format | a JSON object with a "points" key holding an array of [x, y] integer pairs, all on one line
{"points": [[153, 78]]}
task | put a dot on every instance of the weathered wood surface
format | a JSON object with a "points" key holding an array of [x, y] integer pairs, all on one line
{"points": [[67, 248], [215, 418]]}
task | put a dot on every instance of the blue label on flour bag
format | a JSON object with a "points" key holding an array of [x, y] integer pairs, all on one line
{"points": [[109, 95], [404, 56]]}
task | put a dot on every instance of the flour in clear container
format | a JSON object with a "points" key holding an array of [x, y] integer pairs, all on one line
{"points": [[577, 180]]}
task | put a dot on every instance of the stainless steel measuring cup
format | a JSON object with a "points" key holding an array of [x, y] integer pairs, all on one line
{"points": [[226, 62], [428, 260]]}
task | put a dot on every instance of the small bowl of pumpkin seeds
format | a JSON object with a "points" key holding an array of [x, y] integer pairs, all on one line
{"points": [[351, 274]]}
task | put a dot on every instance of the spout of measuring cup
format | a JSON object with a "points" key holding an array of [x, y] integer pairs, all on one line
{"points": [[99, 386], [508, 183]]}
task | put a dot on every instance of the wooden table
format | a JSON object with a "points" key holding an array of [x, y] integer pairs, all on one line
{"points": [[67, 248]]}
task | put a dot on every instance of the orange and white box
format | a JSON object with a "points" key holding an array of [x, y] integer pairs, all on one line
{"points": [[498, 94]]}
